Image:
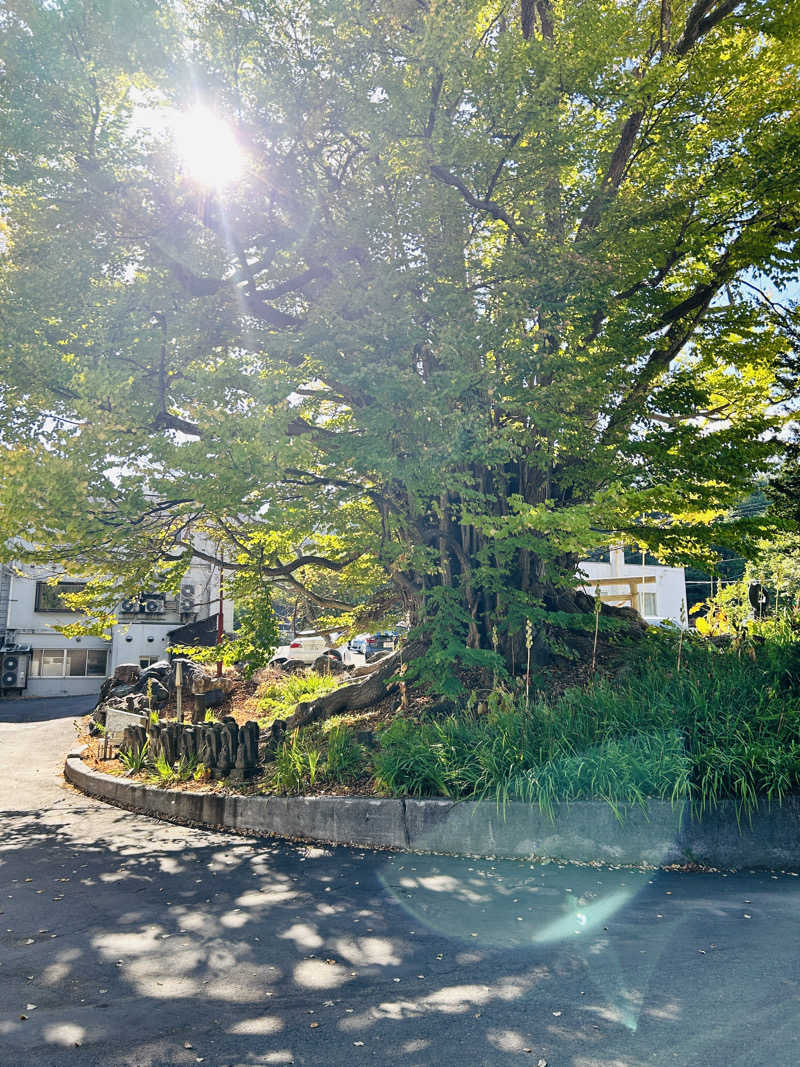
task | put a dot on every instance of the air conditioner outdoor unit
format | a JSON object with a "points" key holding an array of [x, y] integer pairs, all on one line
{"points": [[153, 606], [187, 597], [13, 670], [129, 607]]}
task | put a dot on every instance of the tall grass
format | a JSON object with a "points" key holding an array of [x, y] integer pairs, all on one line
{"points": [[723, 726], [299, 764]]}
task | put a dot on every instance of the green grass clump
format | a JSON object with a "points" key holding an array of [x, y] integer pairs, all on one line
{"points": [[277, 699], [296, 764], [345, 760], [136, 759], [300, 764]]}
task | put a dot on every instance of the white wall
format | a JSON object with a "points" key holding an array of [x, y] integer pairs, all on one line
{"points": [[669, 587], [36, 628], [129, 643], [134, 637]]}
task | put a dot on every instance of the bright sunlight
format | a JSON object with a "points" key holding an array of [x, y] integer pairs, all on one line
{"points": [[208, 148]]}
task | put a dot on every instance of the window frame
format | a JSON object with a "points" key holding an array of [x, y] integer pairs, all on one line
{"points": [[38, 653], [56, 589], [644, 601]]}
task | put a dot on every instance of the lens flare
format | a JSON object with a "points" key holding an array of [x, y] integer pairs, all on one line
{"points": [[208, 148]]}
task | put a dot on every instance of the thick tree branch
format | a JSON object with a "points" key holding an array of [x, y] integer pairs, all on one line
{"points": [[488, 206], [194, 284], [614, 173], [308, 594], [703, 17], [293, 285], [165, 420], [436, 90]]}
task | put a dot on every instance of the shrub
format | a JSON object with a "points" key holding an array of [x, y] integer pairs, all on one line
{"points": [[136, 759], [163, 771], [407, 764]]}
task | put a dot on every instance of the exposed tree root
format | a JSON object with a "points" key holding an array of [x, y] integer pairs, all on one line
{"points": [[371, 688]]}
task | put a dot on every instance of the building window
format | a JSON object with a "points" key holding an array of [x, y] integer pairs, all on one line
{"points": [[649, 607], [145, 661], [51, 597], [76, 662], [96, 662], [69, 663]]}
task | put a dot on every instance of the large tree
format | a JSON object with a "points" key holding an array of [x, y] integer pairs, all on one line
{"points": [[497, 284]]}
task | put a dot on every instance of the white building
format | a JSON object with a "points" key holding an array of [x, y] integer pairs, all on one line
{"points": [[658, 593], [31, 606]]}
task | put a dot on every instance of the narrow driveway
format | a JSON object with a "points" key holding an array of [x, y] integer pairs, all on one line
{"points": [[125, 941]]}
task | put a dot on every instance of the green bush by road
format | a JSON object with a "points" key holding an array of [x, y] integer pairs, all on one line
{"points": [[724, 725]]}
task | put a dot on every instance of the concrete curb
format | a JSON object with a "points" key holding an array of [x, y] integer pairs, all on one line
{"points": [[584, 831]]}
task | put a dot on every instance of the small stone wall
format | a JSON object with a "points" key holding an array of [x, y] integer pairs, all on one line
{"points": [[225, 748], [585, 831]]}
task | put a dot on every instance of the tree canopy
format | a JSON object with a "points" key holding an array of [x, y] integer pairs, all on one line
{"points": [[497, 283]]}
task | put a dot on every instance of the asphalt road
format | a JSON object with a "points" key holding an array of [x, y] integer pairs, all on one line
{"points": [[128, 941]]}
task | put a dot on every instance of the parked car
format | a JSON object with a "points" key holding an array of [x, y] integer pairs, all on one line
{"points": [[372, 645], [303, 650]]}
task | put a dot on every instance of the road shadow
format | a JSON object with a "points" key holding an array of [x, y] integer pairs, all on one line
{"points": [[155, 945], [44, 709]]}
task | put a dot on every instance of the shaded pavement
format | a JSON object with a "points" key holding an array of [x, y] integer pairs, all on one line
{"points": [[128, 941]]}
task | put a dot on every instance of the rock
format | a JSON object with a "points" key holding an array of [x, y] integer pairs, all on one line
{"points": [[133, 738], [327, 664], [135, 703], [123, 689], [246, 765], [158, 692], [277, 730], [445, 707], [201, 683], [188, 743], [157, 672], [127, 673], [105, 691]]}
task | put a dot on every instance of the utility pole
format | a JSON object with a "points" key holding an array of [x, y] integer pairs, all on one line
{"points": [[220, 629]]}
